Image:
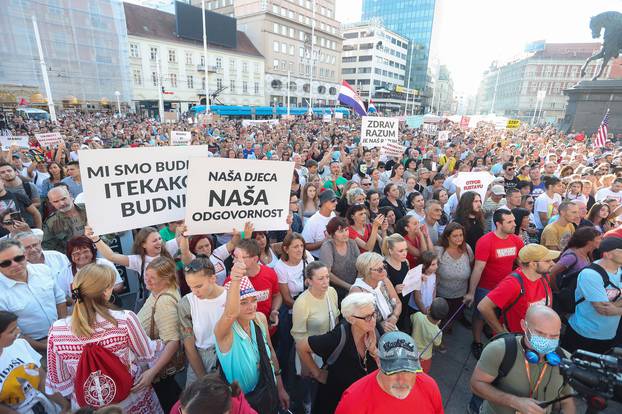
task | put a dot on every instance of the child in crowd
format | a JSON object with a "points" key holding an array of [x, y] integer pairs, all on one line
{"points": [[422, 297], [425, 329]]}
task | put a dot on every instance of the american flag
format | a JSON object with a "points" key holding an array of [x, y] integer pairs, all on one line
{"points": [[601, 137]]}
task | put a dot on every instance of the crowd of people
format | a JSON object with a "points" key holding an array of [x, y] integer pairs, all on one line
{"points": [[323, 317]]}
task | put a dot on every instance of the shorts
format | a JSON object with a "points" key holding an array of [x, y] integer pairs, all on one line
{"points": [[480, 293]]}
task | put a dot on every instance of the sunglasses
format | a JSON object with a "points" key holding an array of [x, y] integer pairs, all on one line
{"points": [[16, 259], [367, 318]]}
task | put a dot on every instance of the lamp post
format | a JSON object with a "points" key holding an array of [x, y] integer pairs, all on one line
{"points": [[118, 94]]}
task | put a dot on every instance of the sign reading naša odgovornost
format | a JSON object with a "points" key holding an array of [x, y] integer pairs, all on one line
{"points": [[130, 188], [378, 130], [223, 194]]}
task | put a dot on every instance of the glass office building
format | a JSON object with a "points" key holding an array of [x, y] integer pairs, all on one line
{"points": [[419, 21], [84, 45]]}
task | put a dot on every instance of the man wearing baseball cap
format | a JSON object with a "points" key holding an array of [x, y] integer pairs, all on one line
{"points": [[594, 324], [398, 386], [524, 287]]}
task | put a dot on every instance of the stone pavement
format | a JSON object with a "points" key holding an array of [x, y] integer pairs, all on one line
{"points": [[452, 371]]}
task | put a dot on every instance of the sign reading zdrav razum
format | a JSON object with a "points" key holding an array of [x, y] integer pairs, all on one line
{"points": [[223, 194], [378, 130], [130, 188]]}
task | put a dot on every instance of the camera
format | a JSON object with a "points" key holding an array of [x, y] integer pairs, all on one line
{"points": [[595, 377]]}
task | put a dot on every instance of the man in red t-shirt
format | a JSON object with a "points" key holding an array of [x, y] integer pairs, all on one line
{"points": [[263, 279], [513, 299], [398, 386], [495, 254]]}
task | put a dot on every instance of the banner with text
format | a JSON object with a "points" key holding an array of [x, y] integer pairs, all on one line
{"points": [[180, 137], [223, 194], [9, 140], [474, 181], [49, 139], [378, 130], [129, 188]]}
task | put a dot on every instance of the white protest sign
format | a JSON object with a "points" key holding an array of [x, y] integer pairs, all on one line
{"points": [[377, 130], [180, 137], [474, 181], [338, 115], [443, 135], [412, 280], [223, 194], [9, 140], [393, 150], [326, 118], [258, 122], [49, 139], [130, 188]]}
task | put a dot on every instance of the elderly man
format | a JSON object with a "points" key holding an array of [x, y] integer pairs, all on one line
{"points": [[398, 386], [66, 222], [515, 388], [29, 291], [56, 261]]}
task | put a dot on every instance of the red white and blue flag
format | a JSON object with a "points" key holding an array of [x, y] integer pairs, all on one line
{"points": [[371, 108], [603, 129], [349, 97]]}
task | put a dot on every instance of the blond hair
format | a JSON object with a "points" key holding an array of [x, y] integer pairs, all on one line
{"points": [[88, 286], [389, 243], [365, 261], [165, 269]]}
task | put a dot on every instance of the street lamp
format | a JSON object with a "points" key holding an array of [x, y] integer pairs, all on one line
{"points": [[117, 94]]}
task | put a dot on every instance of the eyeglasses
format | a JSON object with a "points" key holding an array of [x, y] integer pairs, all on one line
{"points": [[17, 259], [365, 184], [367, 318], [379, 269]]}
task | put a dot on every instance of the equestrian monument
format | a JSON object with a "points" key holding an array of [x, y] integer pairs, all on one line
{"points": [[589, 100]]}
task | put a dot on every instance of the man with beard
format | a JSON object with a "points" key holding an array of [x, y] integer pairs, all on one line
{"points": [[398, 386], [66, 222], [524, 287]]}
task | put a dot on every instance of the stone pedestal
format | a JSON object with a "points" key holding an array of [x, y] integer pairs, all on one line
{"points": [[588, 102]]}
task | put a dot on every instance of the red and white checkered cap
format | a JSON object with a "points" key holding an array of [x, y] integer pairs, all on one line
{"points": [[246, 288]]}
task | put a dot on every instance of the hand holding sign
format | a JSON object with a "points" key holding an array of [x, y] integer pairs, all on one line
{"points": [[412, 281]]}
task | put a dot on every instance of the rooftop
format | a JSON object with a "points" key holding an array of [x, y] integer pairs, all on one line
{"points": [[156, 24]]}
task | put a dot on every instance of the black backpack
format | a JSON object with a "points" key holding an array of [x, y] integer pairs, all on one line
{"points": [[565, 302], [522, 293]]}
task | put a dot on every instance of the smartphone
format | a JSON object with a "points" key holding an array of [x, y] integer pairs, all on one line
{"points": [[17, 216]]}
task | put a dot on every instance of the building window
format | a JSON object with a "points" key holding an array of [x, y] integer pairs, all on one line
{"points": [[171, 56], [275, 46], [256, 88], [275, 64], [256, 68], [275, 27], [292, 50], [173, 80], [232, 85], [283, 65], [244, 67], [134, 51], [291, 32], [276, 85], [244, 87], [190, 82], [153, 53], [218, 83], [188, 58], [154, 78], [284, 48], [284, 30], [138, 78], [232, 65], [219, 63]]}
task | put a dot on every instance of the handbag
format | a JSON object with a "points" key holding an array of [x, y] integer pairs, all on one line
{"points": [[178, 361], [264, 398]]}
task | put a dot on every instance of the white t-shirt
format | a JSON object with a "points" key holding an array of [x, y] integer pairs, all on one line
{"points": [[56, 261], [427, 291], [19, 379], [205, 313], [314, 229], [293, 275], [136, 263], [605, 193], [545, 204], [66, 276]]}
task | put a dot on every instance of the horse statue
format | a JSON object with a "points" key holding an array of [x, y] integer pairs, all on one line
{"points": [[611, 21]]}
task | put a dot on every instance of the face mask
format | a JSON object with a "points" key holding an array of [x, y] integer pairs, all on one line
{"points": [[541, 344]]}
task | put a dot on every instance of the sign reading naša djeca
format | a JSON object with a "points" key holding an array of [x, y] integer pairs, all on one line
{"points": [[223, 194], [128, 188]]}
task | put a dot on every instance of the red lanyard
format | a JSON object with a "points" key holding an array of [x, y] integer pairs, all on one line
{"points": [[533, 390]]}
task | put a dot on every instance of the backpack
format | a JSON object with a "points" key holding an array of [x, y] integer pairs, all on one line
{"points": [[101, 378], [522, 293], [565, 301]]}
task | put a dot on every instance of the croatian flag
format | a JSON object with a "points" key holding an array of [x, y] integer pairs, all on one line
{"points": [[371, 108], [348, 97]]}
